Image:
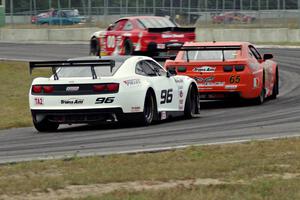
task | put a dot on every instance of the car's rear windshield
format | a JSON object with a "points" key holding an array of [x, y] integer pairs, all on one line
{"points": [[216, 55], [156, 22], [101, 71]]}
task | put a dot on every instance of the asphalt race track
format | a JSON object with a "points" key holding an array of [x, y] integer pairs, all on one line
{"points": [[219, 121]]}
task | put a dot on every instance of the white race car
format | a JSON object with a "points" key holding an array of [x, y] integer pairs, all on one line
{"points": [[126, 89]]}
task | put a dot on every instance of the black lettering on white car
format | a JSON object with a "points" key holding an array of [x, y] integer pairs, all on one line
{"points": [[101, 100], [166, 96]]}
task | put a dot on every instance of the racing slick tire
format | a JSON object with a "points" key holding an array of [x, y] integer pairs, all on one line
{"points": [[128, 47], [191, 108], [144, 118], [45, 126], [94, 47], [275, 90]]}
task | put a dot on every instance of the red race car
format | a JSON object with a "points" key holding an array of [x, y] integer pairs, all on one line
{"points": [[228, 69], [139, 35]]}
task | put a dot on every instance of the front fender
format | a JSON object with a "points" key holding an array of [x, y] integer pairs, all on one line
{"points": [[98, 34]]}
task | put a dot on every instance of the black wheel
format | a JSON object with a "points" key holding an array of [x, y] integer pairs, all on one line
{"points": [[146, 117], [128, 47], [45, 126], [192, 105], [275, 90], [94, 47]]}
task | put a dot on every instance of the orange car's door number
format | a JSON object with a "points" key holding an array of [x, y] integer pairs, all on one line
{"points": [[234, 79]]}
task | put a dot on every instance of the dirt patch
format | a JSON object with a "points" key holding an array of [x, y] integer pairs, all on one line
{"points": [[78, 191]]}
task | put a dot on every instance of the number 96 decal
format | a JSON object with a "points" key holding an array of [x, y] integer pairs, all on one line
{"points": [[101, 100], [166, 96]]}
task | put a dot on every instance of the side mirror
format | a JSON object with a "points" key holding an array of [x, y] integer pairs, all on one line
{"points": [[171, 71], [268, 56]]}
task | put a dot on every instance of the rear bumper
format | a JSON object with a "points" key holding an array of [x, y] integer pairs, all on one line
{"points": [[219, 95], [76, 115]]}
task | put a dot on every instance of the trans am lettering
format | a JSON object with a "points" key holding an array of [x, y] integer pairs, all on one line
{"points": [[72, 101], [204, 69]]}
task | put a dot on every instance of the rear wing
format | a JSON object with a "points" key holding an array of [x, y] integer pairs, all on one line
{"points": [[203, 48], [71, 63], [174, 29]]}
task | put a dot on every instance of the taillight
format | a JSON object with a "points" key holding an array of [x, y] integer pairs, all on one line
{"points": [[37, 88], [99, 88], [108, 87], [228, 68], [191, 37], [42, 89], [113, 87], [239, 68], [48, 89], [153, 37]]}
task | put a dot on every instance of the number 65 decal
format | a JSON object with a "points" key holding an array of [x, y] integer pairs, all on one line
{"points": [[166, 96]]}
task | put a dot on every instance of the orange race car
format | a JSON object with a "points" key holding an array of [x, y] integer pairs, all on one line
{"points": [[227, 69]]}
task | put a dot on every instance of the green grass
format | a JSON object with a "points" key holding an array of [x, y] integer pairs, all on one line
{"points": [[15, 82], [249, 168]]}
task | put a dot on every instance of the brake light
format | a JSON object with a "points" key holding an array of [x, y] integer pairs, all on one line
{"points": [[48, 89], [153, 37], [191, 37], [109, 87], [227, 68], [99, 88], [37, 88], [113, 87], [239, 68]]}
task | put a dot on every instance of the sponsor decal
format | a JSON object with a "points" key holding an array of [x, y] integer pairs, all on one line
{"points": [[72, 88], [72, 101], [39, 100], [180, 93], [215, 84], [127, 34], [255, 82], [163, 115], [178, 80], [172, 35], [136, 109], [204, 69], [205, 80], [132, 82], [161, 46], [230, 87]]}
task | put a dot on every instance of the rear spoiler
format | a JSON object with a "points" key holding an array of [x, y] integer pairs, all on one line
{"points": [[203, 48], [71, 63], [174, 29]]}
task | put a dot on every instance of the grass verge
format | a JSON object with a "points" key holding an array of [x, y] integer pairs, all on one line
{"points": [[253, 170], [14, 87]]}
